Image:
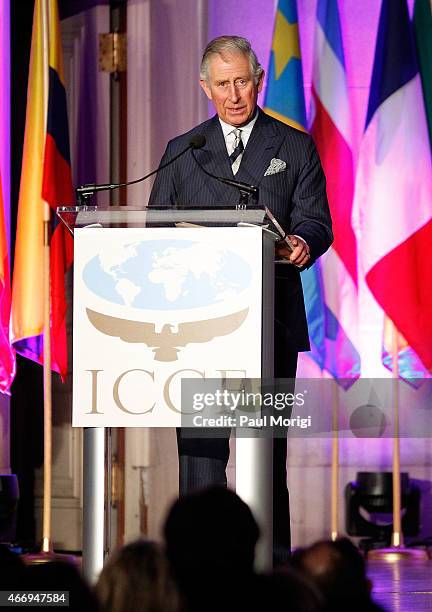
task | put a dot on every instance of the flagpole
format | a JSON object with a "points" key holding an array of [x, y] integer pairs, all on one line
{"points": [[47, 553], [47, 492], [397, 549], [397, 539], [335, 464]]}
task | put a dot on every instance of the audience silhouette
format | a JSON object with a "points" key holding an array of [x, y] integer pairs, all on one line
{"points": [[61, 576], [211, 537], [210, 540], [11, 570], [136, 578], [339, 570], [207, 566]]}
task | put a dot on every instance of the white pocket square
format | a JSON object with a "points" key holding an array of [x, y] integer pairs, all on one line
{"points": [[276, 165]]}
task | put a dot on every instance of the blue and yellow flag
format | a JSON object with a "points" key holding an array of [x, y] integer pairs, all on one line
{"points": [[284, 99]]}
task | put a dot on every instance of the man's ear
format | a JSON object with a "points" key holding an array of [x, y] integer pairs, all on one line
{"points": [[261, 81], [206, 88]]}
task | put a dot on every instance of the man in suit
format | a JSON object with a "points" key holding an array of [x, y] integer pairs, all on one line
{"points": [[244, 143]]}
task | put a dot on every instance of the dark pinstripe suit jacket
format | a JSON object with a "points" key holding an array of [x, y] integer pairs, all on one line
{"points": [[296, 196]]}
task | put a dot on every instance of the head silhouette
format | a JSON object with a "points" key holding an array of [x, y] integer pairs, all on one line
{"points": [[209, 533], [339, 570], [137, 578]]}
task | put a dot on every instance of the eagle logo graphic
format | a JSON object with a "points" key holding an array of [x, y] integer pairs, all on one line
{"points": [[167, 343]]}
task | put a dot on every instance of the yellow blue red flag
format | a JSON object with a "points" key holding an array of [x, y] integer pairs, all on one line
{"points": [[45, 179]]}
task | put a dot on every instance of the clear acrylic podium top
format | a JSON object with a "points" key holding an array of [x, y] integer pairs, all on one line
{"points": [[134, 216]]}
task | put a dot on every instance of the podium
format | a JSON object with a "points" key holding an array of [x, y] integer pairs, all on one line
{"points": [[162, 295]]}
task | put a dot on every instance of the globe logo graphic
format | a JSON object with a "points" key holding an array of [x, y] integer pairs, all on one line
{"points": [[174, 289]]}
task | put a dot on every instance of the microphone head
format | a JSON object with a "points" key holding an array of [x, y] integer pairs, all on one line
{"points": [[197, 141]]}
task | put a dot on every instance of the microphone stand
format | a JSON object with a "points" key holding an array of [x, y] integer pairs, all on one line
{"points": [[245, 189], [86, 192]]}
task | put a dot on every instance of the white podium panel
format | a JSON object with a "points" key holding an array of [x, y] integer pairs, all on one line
{"points": [[153, 305]]}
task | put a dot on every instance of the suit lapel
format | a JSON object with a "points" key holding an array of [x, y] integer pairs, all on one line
{"points": [[214, 158], [263, 144]]}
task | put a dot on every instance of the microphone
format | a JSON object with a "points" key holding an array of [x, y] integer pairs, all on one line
{"points": [[245, 189], [84, 192]]}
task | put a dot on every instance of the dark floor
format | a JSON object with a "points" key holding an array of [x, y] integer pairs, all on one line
{"points": [[402, 586]]}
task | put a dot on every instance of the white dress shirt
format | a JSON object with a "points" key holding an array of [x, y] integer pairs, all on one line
{"points": [[229, 133]]}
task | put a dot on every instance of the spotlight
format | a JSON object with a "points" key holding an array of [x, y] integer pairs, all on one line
{"points": [[369, 506]]}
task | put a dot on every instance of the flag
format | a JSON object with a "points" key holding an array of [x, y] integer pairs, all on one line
{"points": [[45, 179], [393, 196], [423, 36], [7, 354], [330, 347], [284, 99], [330, 126]]}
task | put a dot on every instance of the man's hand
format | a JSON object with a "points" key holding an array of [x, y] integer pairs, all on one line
{"points": [[299, 256]]}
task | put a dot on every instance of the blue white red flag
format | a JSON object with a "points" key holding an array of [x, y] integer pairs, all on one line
{"points": [[330, 126], [393, 199]]}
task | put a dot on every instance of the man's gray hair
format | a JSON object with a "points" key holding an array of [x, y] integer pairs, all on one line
{"points": [[230, 45]]}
